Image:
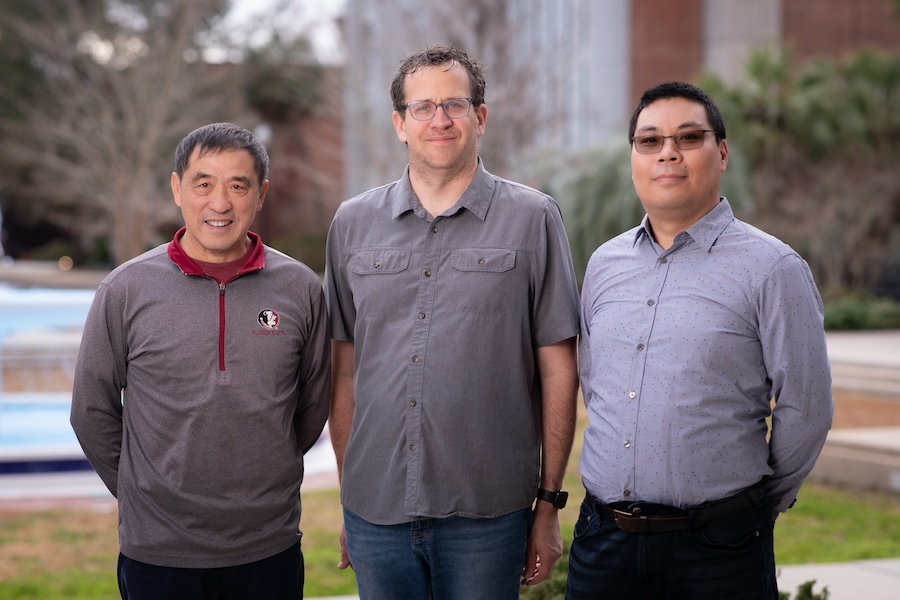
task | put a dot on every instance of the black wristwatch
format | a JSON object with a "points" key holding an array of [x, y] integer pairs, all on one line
{"points": [[557, 499]]}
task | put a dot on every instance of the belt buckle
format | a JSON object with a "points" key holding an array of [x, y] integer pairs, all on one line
{"points": [[630, 522]]}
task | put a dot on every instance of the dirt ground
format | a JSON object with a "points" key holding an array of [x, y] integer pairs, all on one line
{"points": [[862, 409]]}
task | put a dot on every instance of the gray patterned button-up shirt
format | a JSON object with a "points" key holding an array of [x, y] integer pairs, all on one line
{"points": [[680, 354]]}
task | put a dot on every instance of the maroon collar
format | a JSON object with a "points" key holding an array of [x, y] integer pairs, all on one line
{"points": [[255, 262]]}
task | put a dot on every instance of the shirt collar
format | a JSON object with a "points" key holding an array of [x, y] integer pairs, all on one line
{"points": [[476, 199], [256, 256], [704, 232]]}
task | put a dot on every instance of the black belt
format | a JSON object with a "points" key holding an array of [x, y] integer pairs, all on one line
{"points": [[632, 519]]}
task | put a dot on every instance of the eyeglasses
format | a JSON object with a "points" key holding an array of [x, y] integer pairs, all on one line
{"points": [[424, 110], [684, 140]]}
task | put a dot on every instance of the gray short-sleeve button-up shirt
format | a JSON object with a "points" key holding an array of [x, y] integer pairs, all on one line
{"points": [[445, 315]]}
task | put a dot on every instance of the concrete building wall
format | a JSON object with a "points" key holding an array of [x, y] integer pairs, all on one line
{"points": [[733, 30], [582, 82]]}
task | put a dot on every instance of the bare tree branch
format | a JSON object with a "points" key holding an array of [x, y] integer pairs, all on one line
{"points": [[119, 89]]}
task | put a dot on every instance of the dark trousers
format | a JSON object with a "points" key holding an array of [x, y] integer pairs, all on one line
{"points": [[730, 557], [278, 577]]}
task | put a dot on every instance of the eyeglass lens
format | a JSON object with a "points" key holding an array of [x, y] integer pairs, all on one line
{"points": [[424, 110], [684, 140]]}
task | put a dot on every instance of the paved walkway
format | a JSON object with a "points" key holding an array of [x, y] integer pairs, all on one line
{"points": [[864, 580], [37, 273]]}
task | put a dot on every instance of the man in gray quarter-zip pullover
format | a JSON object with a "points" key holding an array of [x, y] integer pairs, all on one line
{"points": [[203, 378]]}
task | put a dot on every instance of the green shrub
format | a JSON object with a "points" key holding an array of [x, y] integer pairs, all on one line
{"points": [[861, 311], [307, 248], [805, 592]]}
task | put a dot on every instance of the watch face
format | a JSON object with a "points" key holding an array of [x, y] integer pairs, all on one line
{"points": [[561, 499]]}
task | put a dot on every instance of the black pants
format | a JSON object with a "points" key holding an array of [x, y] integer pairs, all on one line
{"points": [[731, 557], [278, 577]]}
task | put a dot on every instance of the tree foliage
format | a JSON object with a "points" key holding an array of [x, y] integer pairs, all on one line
{"points": [[813, 160], [104, 91], [282, 80], [823, 143]]}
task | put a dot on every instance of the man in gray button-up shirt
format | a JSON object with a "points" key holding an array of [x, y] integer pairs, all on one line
{"points": [[692, 323], [454, 311]]}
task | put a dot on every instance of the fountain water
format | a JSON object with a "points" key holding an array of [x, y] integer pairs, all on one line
{"points": [[40, 330]]}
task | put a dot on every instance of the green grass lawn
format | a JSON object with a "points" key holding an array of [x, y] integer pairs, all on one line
{"points": [[827, 525], [836, 525]]}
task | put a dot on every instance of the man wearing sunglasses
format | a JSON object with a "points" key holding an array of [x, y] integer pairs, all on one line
{"points": [[694, 324], [454, 312]]}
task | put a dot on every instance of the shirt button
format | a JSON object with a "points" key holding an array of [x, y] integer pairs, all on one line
{"points": [[427, 273], [632, 395], [416, 359], [627, 492], [640, 346], [412, 447], [434, 229], [651, 302], [663, 260], [627, 444], [376, 264], [412, 402], [480, 261], [421, 315]]}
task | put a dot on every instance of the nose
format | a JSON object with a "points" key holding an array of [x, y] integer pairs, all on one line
{"points": [[219, 200], [669, 150], [440, 118]]}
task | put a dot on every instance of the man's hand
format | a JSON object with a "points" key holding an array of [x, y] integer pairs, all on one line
{"points": [[544, 544], [345, 558]]}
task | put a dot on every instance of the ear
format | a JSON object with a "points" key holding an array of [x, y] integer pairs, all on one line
{"points": [[176, 188], [723, 152], [262, 194], [481, 115], [400, 126]]}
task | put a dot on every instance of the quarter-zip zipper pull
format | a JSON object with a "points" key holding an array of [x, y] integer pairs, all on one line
{"points": [[221, 326]]}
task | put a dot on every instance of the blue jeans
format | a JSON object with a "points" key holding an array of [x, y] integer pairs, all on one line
{"points": [[731, 557], [452, 558], [279, 577]]}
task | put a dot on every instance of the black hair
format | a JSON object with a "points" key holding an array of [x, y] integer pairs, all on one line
{"points": [[677, 89], [222, 136]]}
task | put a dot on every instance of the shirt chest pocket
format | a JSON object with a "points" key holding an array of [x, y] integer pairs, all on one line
{"points": [[485, 281], [485, 260], [379, 262]]}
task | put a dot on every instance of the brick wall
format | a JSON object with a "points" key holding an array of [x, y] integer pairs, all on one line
{"points": [[833, 28], [666, 43]]}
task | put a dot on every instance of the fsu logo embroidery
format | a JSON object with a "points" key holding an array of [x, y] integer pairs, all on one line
{"points": [[268, 318]]}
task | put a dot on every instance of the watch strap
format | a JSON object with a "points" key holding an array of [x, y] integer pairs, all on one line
{"points": [[557, 499]]}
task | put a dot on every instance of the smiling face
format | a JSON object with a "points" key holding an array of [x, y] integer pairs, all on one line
{"points": [[441, 146], [219, 195], [677, 187]]}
